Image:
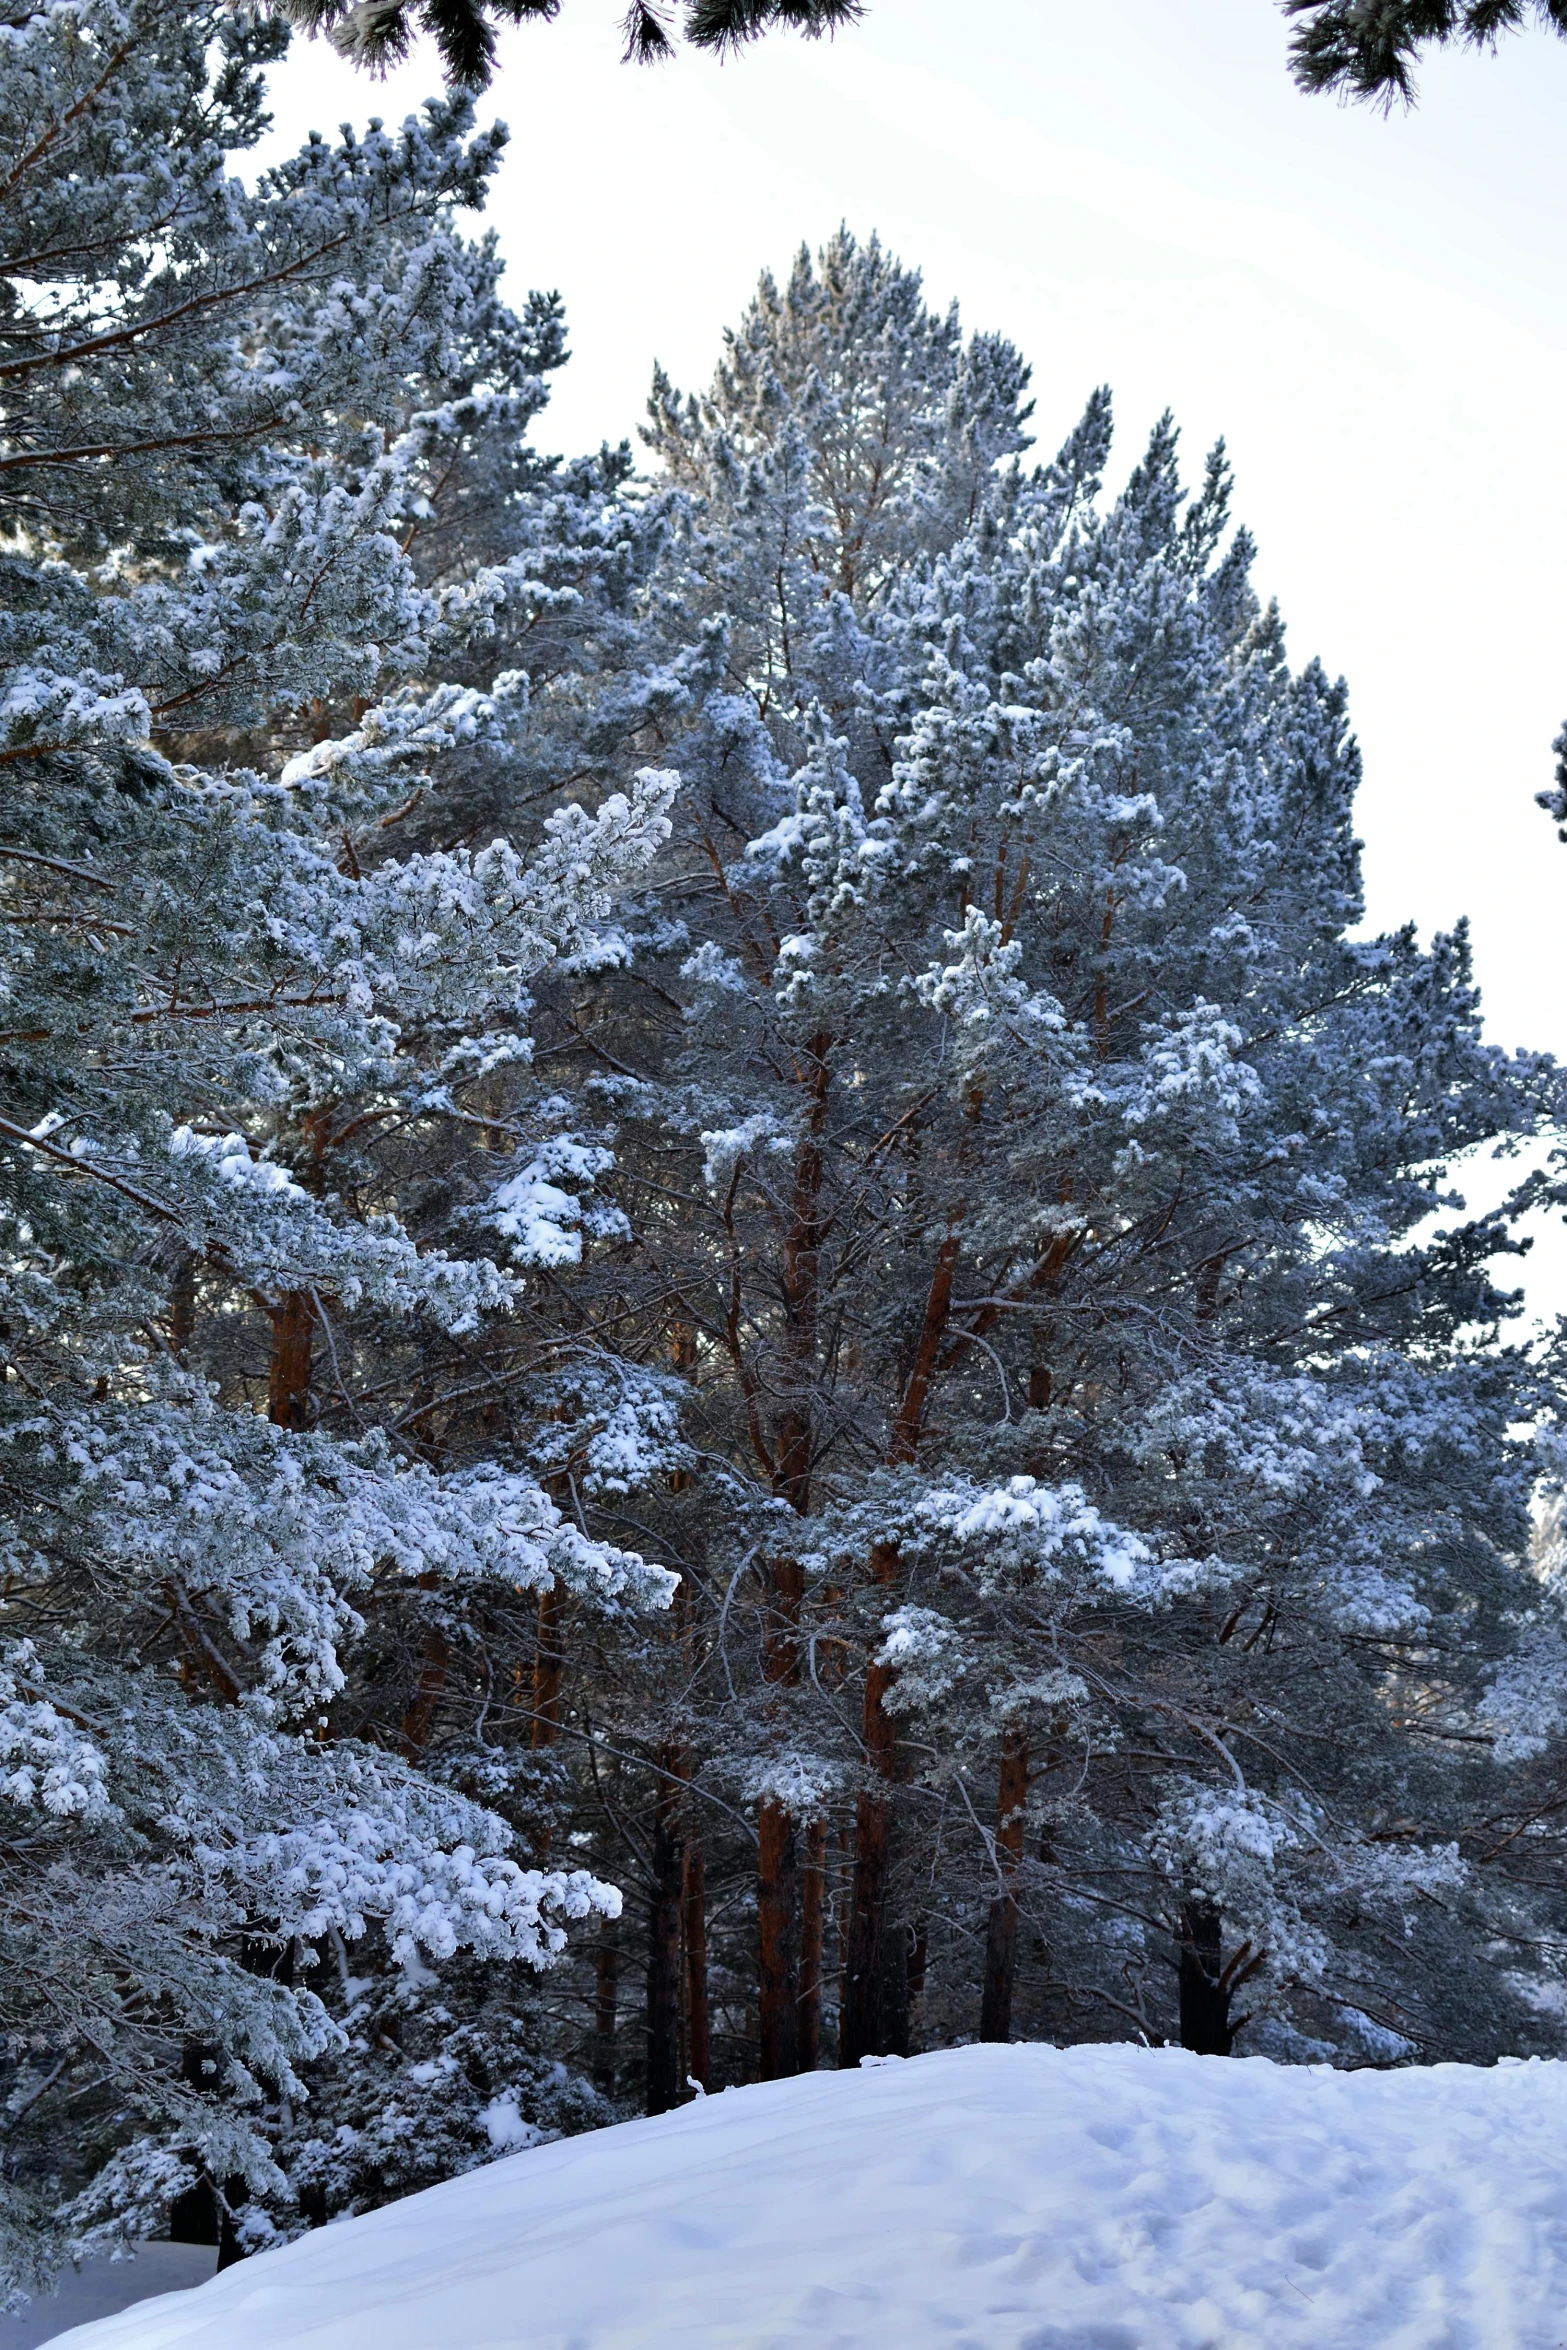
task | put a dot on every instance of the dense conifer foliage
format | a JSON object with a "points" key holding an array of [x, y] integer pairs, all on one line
{"points": [[1370, 48], [1367, 49], [734, 1327], [378, 32], [226, 415]]}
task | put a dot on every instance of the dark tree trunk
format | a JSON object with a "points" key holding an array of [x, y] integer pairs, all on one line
{"points": [[778, 1978], [895, 1990], [699, 2021], [813, 1889], [995, 2016], [859, 2027], [606, 1990], [202, 2215], [875, 2018], [182, 1305], [663, 1953], [1207, 1986], [777, 1855]]}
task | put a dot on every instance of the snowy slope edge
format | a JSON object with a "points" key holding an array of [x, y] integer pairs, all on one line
{"points": [[988, 2198]]}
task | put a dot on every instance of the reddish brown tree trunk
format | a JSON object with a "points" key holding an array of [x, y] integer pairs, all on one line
{"points": [[778, 1971], [288, 1373], [663, 1952], [433, 1669], [548, 1665], [995, 2015], [699, 2020], [813, 1890]]}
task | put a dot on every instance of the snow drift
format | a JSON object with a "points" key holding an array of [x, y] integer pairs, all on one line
{"points": [[1018, 2198]]}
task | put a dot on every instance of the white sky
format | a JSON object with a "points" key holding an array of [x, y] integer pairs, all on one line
{"points": [[1373, 313]]}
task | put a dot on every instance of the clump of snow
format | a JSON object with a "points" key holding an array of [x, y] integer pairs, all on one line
{"points": [[1022, 2198]]}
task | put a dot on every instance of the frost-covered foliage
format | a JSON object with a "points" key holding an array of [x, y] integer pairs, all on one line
{"points": [[1126, 1489], [705, 1197], [236, 658]]}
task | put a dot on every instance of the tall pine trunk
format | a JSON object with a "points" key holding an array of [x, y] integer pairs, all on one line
{"points": [[777, 1856], [778, 1969], [995, 2016], [875, 2017], [288, 1372], [875, 2020]]}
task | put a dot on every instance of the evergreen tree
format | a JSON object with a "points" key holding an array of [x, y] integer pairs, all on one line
{"points": [[704, 1190], [227, 416], [1124, 1500]]}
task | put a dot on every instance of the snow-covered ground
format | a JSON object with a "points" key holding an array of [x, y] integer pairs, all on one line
{"points": [[983, 2199]]}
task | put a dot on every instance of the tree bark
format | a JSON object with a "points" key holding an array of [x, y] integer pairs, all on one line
{"points": [[663, 1955], [699, 2019], [995, 2018], [813, 1890], [778, 1969], [182, 1306], [875, 2019], [1206, 1984], [288, 1373], [548, 1665], [420, 1716]]}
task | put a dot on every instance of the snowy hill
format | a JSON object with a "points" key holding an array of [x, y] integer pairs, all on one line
{"points": [[1017, 2198]]}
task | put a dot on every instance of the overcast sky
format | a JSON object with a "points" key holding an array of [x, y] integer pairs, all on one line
{"points": [[1373, 312]]}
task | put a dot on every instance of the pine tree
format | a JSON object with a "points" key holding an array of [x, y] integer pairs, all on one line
{"points": [[224, 685], [1122, 1522], [705, 1190]]}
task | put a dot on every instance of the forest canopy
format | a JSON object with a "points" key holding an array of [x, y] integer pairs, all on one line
{"points": [[735, 1326], [1363, 49]]}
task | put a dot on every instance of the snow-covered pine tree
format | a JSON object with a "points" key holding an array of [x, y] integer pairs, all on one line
{"points": [[228, 413], [1124, 1501]]}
